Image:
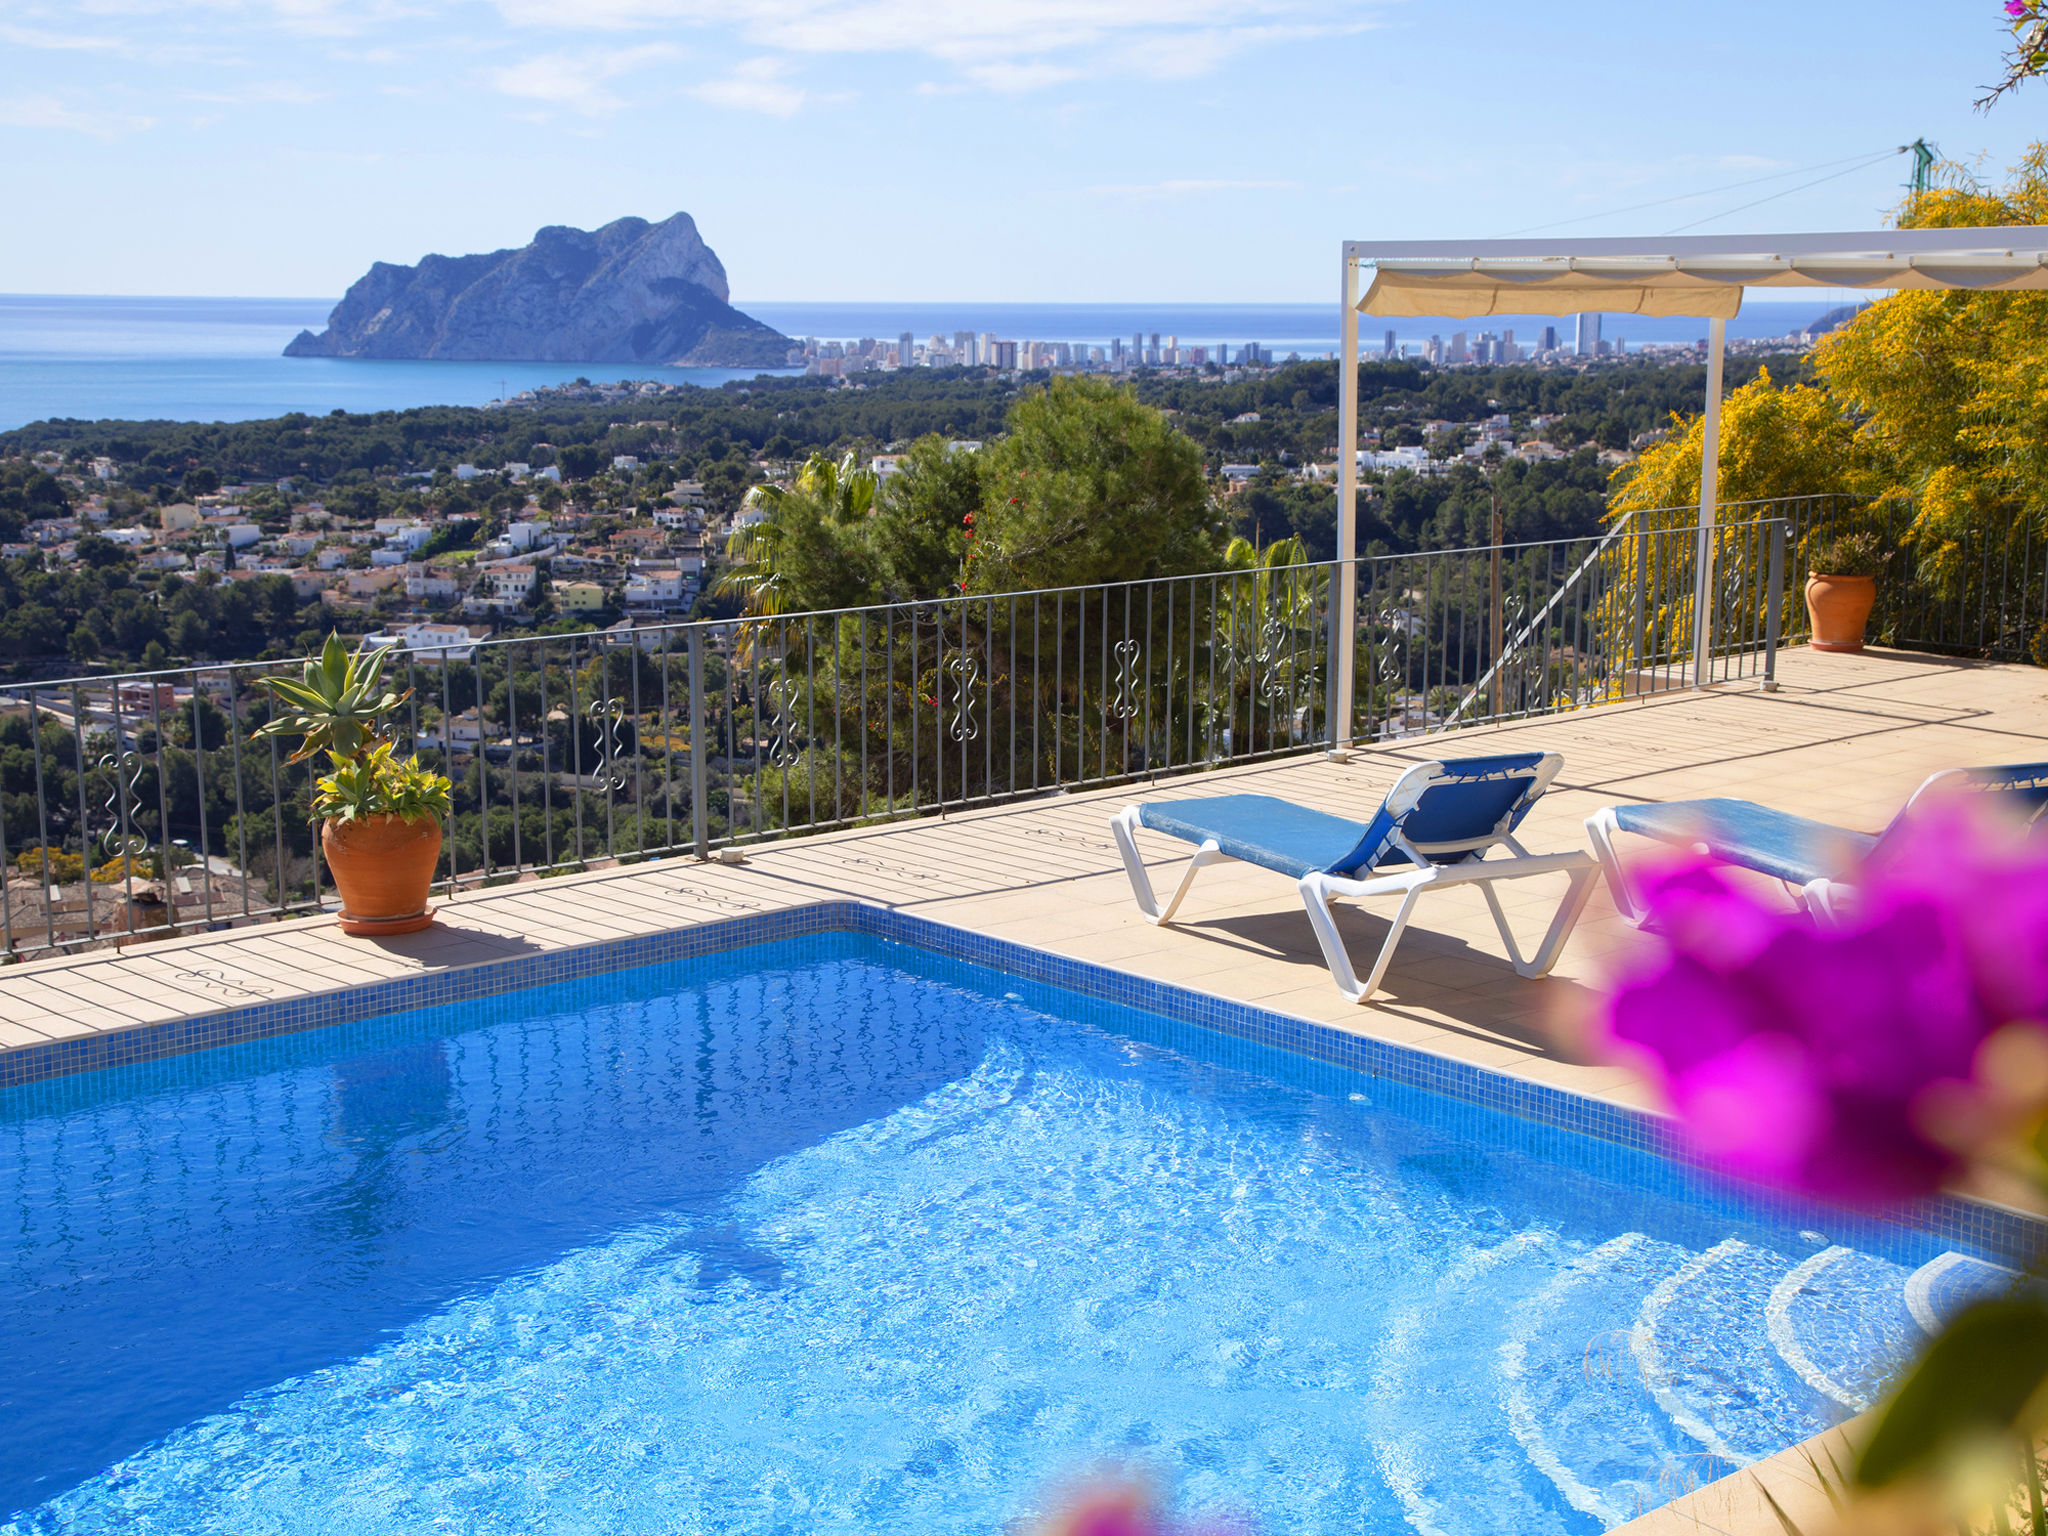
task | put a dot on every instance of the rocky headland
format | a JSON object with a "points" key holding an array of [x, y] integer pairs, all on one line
{"points": [[631, 292]]}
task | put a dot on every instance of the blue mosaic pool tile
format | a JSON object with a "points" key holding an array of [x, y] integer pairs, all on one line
{"points": [[1985, 1228]]}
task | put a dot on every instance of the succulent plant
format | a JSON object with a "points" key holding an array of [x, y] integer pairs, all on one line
{"points": [[378, 784], [1850, 554], [341, 707], [337, 706]]}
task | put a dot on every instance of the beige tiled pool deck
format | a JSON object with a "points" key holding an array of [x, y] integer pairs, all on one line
{"points": [[1846, 739]]}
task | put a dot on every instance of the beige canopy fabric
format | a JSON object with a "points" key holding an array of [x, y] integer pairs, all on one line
{"points": [[1709, 286]]}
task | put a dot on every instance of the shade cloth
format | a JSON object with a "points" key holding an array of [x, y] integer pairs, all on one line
{"points": [[1706, 285]]}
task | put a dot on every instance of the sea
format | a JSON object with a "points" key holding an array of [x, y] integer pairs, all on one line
{"points": [[221, 359]]}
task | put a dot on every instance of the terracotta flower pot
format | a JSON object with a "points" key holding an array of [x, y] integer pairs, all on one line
{"points": [[1840, 607], [383, 868]]}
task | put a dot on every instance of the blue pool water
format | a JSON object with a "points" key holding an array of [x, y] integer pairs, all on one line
{"points": [[835, 1235]]}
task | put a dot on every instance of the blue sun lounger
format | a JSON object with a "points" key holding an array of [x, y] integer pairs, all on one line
{"points": [[1817, 861], [1434, 830]]}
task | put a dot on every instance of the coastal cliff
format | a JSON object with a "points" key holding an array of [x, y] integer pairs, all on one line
{"points": [[631, 292]]}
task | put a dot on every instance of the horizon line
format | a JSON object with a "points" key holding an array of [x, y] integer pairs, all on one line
{"points": [[299, 298]]}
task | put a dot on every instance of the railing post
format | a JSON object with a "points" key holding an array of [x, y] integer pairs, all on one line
{"points": [[1343, 634], [699, 732], [1639, 622], [1497, 615], [1332, 726], [1774, 610], [1710, 486]]}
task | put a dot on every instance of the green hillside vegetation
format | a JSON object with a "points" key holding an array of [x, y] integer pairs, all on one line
{"points": [[1929, 408], [791, 418], [398, 462]]}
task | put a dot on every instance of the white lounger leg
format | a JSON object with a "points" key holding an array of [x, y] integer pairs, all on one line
{"points": [[1576, 895], [1317, 889], [1824, 901], [1600, 829], [1315, 895], [1122, 826]]}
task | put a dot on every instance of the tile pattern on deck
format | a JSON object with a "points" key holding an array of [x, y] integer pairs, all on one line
{"points": [[1846, 740]]}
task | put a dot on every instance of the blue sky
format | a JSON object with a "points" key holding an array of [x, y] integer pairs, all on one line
{"points": [[1077, 150]]}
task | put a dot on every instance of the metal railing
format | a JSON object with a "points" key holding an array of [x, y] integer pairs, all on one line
{"points": [[1968, 591], [1509, 632], [146, 805]]}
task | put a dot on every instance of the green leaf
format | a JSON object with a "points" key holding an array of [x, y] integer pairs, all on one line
{"points": [[1982, 1378], [297, 693]]}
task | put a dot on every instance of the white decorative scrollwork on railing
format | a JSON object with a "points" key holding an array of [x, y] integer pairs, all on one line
{"points": [[783, 751], [966, 672], [605, 720], [1515, 658], [122, 805], [1275, 654], [1389, 667], [1130, 657]]}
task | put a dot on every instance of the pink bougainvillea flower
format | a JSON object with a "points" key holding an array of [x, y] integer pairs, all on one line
{"points": [[1111, 1506], [1124, 1501], [2015, 8], [1850, 1062]]}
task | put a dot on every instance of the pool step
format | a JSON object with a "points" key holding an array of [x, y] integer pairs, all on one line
{"points": [[1574, 1393], [1702, 1341], [1841, 1322], [1942, 1287], [1590, 1385], [1444, 1444]]}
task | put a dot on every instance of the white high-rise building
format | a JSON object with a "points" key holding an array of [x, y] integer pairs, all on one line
{"points": [[906, 349], [1588, 341]]}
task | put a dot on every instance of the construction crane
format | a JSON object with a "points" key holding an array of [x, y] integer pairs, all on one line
{"points": [[1923, 167]]}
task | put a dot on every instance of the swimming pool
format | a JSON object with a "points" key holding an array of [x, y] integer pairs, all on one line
{"points": [[835, 1234]]}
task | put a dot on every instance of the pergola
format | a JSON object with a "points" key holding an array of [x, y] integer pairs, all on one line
{"points": [[1702, 275]]}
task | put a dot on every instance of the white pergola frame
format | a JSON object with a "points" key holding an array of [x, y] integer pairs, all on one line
{"points": [[1641, 275]]}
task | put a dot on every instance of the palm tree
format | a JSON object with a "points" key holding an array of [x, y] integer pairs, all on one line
{"points": [[798, 554]]}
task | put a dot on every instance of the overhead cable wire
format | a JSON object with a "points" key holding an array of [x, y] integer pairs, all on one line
{"points": [[1773, 197], [1687, 197]]}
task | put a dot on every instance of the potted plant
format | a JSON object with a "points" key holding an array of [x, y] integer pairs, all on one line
{"points": [[1841, 590], [379, 818]]}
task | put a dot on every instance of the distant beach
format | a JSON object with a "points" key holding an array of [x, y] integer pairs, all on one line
{"points": [[186, 359]]}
